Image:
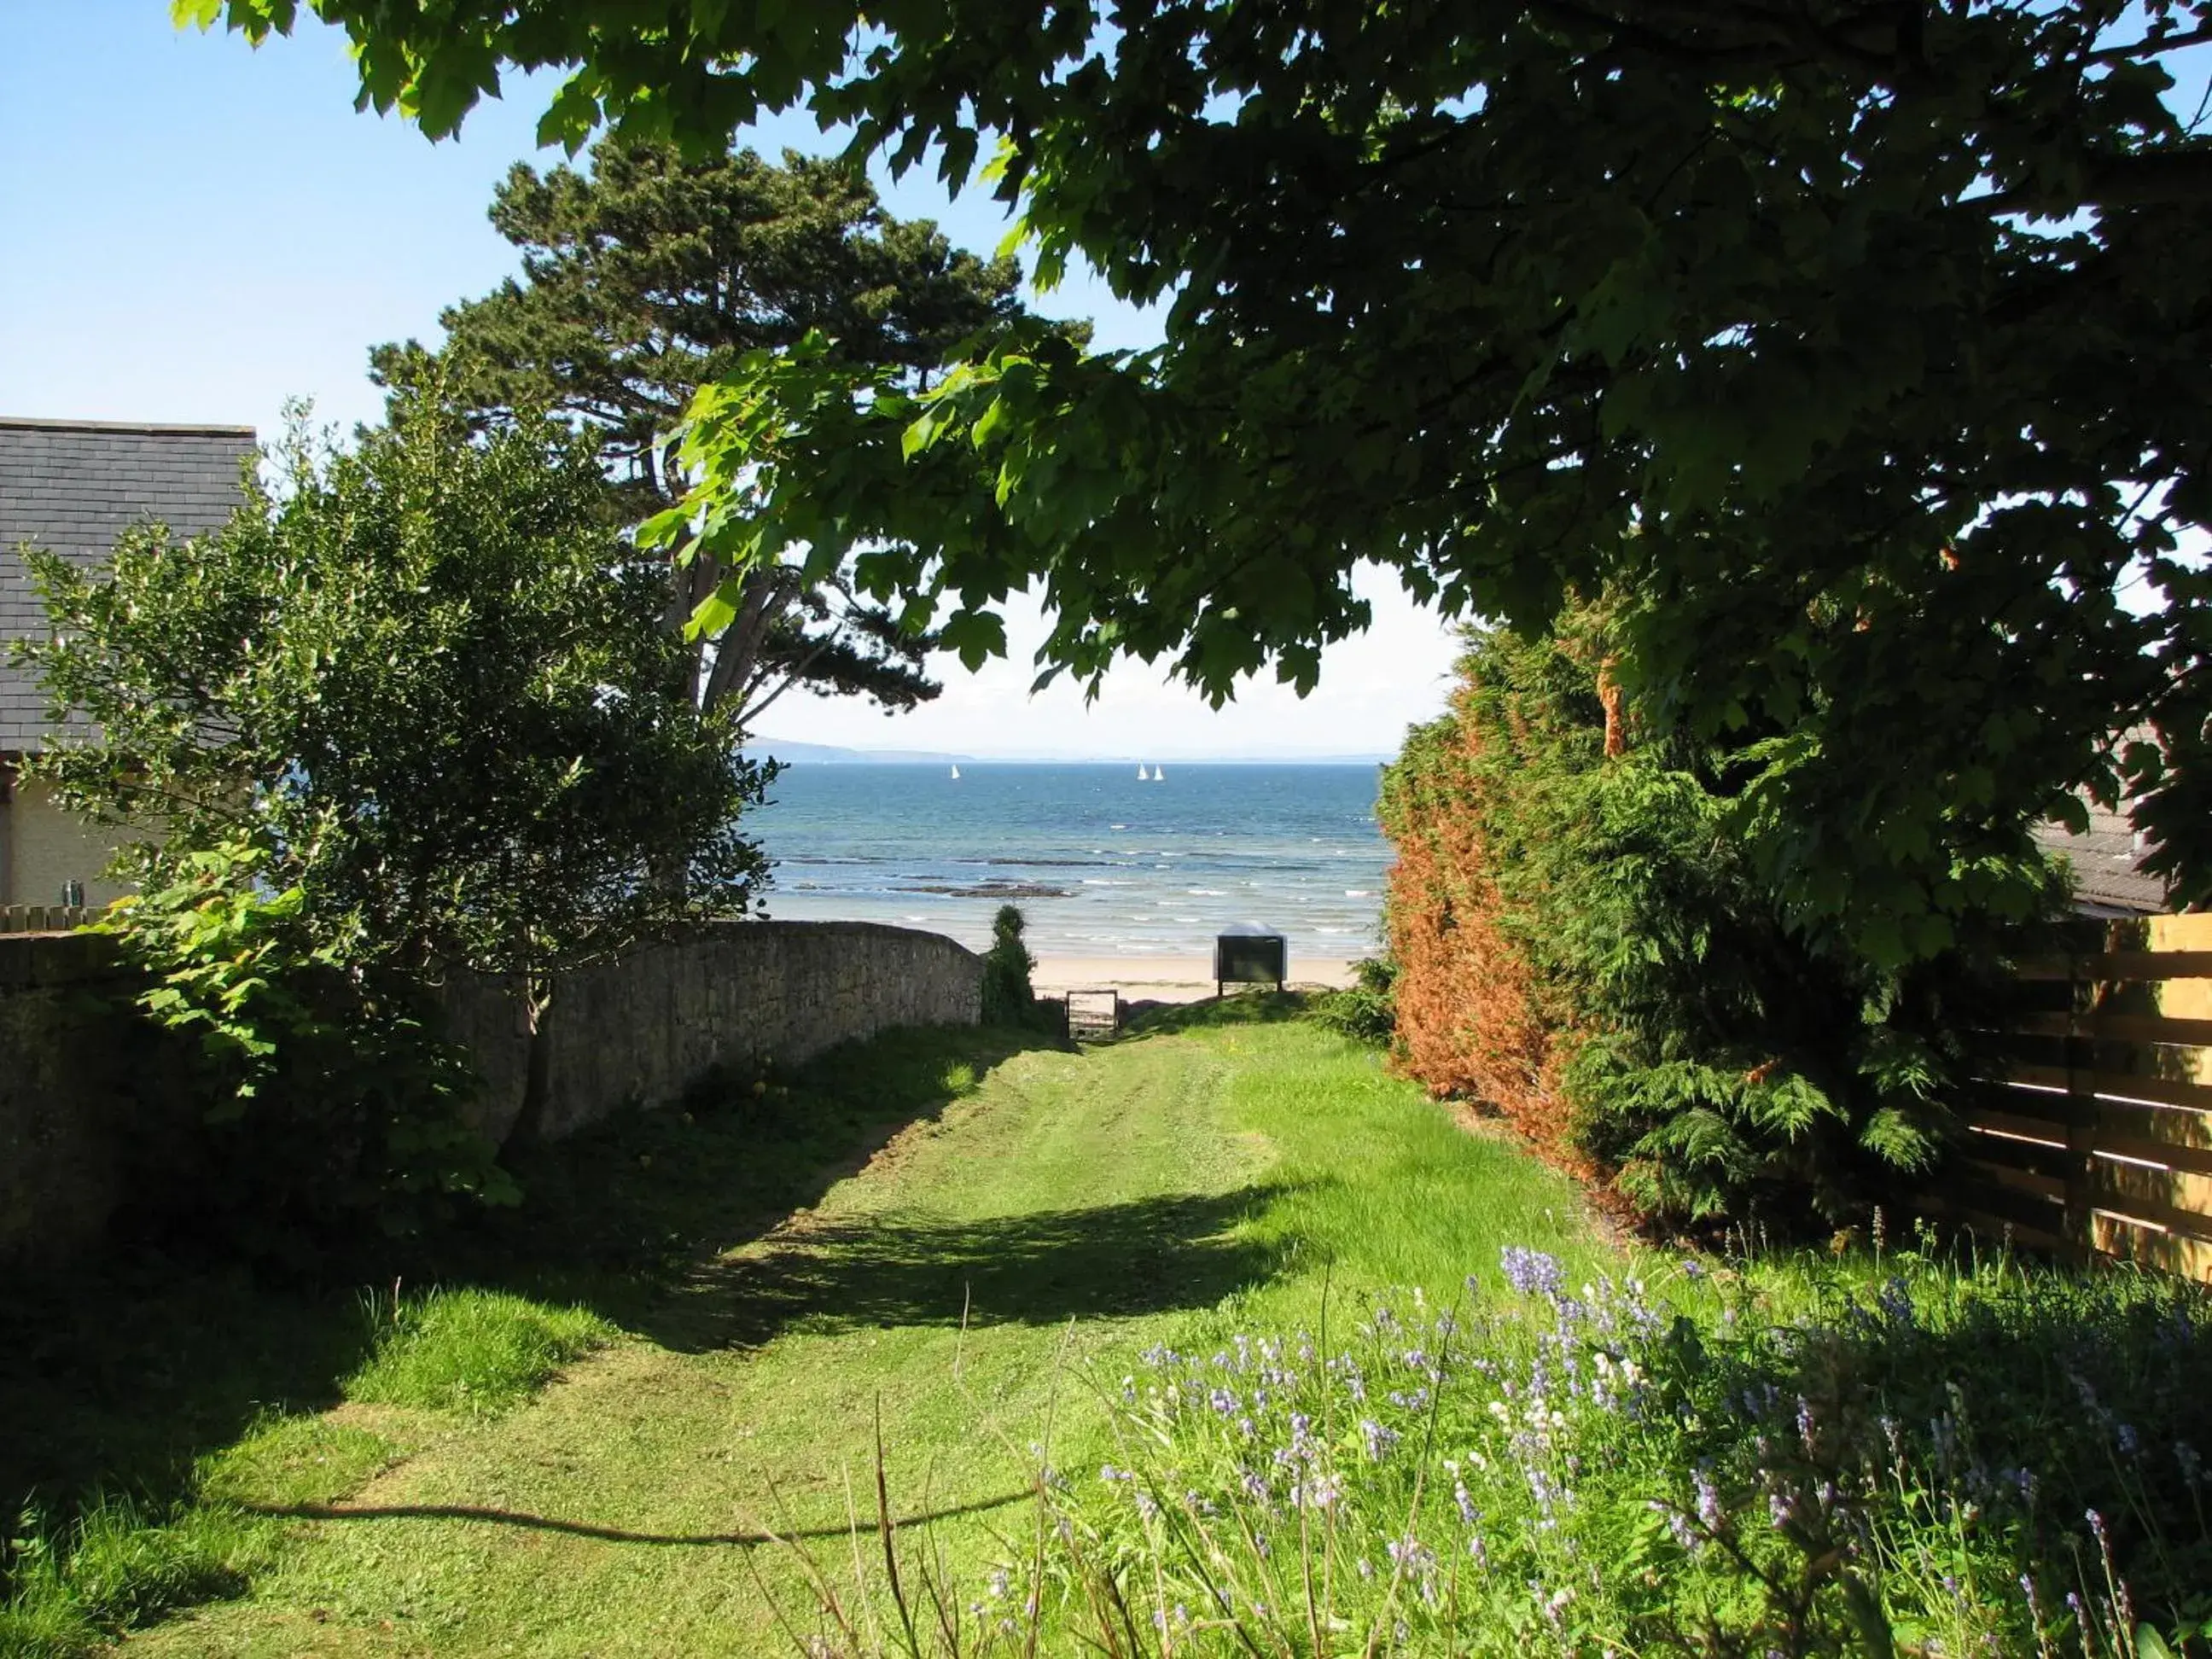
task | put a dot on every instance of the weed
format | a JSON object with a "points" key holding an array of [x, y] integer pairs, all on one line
{"points": [[1564, 1469], [119, 1564], [467, 1349]]}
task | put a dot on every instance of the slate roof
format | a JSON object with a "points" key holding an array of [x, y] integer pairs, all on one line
{"points": [[2107, 881], [72, 487]]}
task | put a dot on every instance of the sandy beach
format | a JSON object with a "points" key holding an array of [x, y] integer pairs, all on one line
{"points": [[1164, 978]]}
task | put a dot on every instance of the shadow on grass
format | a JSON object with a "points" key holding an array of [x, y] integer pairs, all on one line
{"points": [[1042, 1267], [118, 1376], [527, 1522]]}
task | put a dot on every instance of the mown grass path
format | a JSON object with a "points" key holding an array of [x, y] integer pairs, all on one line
{"points": [[969, 1281]]}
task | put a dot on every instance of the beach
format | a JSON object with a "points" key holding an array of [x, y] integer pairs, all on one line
{"points": [[1166, 979]]}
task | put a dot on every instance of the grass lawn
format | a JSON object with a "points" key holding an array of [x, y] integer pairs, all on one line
{"points": [[1006, 1224]]}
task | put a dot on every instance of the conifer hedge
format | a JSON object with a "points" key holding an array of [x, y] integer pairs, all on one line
{"points": [[1585, 943]]}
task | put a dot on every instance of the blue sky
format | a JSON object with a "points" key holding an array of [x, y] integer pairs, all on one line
{"points": [[195, 231]]}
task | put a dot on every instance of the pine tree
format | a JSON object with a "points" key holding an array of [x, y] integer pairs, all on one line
{"points": [[652, 273]]}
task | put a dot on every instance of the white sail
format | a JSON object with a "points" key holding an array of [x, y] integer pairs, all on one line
{"points": [[956, 772], [1159, 775], [1141, 774]]}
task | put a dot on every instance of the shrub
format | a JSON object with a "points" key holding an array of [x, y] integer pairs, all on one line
{"points": [[1365, 1011], [1584, 941], [415, 706], [1008, 999], [330, 1095]]}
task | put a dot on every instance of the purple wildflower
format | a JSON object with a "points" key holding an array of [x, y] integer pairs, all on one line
{"points": [[1709, 1502], [1531, 1273]]}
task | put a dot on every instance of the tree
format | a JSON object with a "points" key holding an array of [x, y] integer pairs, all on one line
{"points": [[412, 709], [651, 275], [423, 679], [1855, 339]]}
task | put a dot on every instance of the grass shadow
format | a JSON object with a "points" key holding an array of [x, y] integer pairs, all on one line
{"points": [[118, 1376], [1040, 1267]]}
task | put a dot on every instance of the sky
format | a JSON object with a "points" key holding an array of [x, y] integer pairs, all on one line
{"points": [[194, 231]]}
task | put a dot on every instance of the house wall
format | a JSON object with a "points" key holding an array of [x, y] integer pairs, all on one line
{"points": [[97, 1117], [42, 847]]}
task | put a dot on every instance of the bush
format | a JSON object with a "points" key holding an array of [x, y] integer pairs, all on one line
{"points": [[1366, 1011], [416, 708], [1584, 941], [1008, 999], [330, 1095]]}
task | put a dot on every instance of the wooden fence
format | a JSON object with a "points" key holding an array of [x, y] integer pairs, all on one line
{"points": [[2094, 1134], [45, 918]]}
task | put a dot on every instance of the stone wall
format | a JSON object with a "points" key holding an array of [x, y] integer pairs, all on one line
{"points": [[638, 1032], [91, 1096]]}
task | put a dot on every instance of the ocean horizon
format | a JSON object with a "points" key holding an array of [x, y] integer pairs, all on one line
{"points": [[1102, 864]]}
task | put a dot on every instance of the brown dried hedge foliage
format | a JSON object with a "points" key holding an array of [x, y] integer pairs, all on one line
{"points": [[1472, 1019]]}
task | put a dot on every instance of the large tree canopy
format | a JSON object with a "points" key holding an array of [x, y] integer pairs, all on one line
{"points": [[652, 274], [1857, 343]]}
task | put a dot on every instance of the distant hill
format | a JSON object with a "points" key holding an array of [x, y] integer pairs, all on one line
{"points": [[826, 754]]}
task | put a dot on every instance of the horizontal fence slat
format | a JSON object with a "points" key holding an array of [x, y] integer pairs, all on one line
{"points": [[2175, 1253], [2139, 1201], [2000, 1153], [2012, 1179], [2119, 967], [1996, 1120], [2131, 1085], [2166, 1028], [2191, 1160], [1972, 1189], [1947, 1206]]}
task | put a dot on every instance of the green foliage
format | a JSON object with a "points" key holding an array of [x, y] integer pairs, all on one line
{"points": [[626, 306], [69, 1591], [425, 677], [1365, 1011], [1729, 1057], [331, 1096], [1605, 1468], [412, 710], [1856, 336], [1008, 999], [468, 1350]]}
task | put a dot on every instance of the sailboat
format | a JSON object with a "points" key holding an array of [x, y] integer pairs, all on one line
{"points": [[1159, 775], [956, 774], [1142, 776]]}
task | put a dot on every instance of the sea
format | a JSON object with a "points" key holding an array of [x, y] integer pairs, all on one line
{"points": [[1101, 864]]}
